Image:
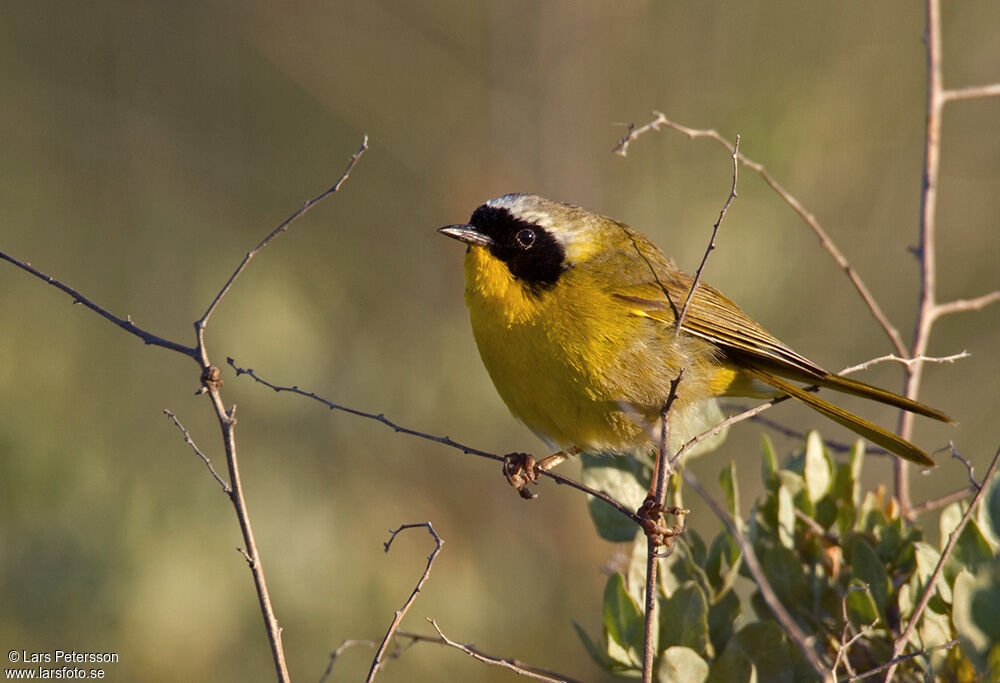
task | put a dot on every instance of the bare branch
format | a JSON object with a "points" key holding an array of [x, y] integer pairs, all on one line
{"points": [[909, 362], [845, 643], [791, 628], [208, 463], [963, 305], [656, 532], [512, 664], [711, 242], [968, 465], [200, 325], [927, 249], [126, 323], [445, 440], [936, 503], [400, 613], [810, 219], [902, 658], [973, 92], [931, 582]]}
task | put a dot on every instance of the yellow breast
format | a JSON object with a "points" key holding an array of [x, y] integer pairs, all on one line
{"points": [[571, 362]]}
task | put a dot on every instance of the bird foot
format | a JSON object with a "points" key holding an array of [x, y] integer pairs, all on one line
{"points": [[521, 469], [651, 518]]}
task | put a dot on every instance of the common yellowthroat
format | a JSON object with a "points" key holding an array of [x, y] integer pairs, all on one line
{"points": [[575, 316]]}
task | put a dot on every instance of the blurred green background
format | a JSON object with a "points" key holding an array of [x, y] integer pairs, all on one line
{"points": [[148, 145]]}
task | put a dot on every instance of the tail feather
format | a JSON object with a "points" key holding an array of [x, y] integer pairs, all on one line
{"points": [[857, 388], [859, 425]]}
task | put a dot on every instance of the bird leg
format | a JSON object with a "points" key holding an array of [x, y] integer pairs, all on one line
{"points": [[521, 469], [651, 518]]}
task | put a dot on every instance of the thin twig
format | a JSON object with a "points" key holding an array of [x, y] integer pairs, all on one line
{"points": [[931, 583], [810, 219], [963, 305], [891, 664], [339, 651], [937, 503], [845, 643], [472, 650], [194, 447], [909, 362], [711, 242], [764, 586], [992, 90], [512, 664], [731, 420], [280, 229], [126, 323], [444, 440], [655, 539], [968, 465], [211, 383], [400, 613]]}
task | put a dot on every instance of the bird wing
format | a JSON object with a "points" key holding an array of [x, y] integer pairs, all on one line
{"points": [[658, 290]]}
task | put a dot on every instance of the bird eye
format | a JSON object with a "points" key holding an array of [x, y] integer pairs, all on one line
{"points": [[525, 238]]}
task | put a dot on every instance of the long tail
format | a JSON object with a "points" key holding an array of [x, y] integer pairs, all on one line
{"points": [[853, 386], [859, 425]]}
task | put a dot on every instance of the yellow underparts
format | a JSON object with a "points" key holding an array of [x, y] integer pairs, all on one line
{"points": [[576, 366]]}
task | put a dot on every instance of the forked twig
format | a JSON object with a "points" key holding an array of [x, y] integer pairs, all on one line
{"points": [[200, 325], [401, 612], [211, 383], [845, 643], [809, 218]]}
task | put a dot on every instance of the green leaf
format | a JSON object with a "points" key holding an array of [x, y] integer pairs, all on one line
{"points": [[764, 643], [861, 608], [817, 470], [696, 546], [728, 480], [681, 665], [684, 618], [784, 571], [927, 557], [870, 515], [769, 459], [869, 569], [623, 623], [722, 619], [623, 479], [857, 463], [948, 521], [976, 606], [598, 655], [786, 517], [732, 667], [988, 514], [972, 549]]}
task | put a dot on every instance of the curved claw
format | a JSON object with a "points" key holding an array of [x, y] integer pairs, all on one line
{"points": [[520, 470]]}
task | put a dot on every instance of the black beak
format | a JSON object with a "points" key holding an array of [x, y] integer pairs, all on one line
{"points": [[466, 233]]}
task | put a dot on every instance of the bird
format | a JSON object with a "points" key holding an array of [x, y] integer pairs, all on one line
{"points": [[576, 319]]}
